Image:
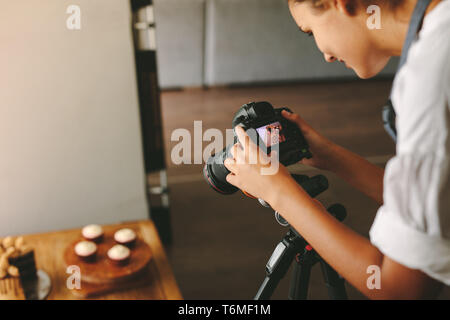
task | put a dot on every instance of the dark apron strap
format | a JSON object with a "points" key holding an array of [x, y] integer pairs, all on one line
{"points": [[414, 26]]}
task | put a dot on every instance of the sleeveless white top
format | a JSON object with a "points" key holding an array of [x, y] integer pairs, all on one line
{"points": [[413, 225]]}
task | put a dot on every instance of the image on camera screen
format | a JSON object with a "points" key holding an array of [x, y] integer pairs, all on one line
{"points": [[271, 134]]}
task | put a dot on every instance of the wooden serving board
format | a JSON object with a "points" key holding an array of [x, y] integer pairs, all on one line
{"points": [[103, 275], [89, 290]]}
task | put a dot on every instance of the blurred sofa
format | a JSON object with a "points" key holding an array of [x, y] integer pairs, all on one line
{"points": [[223, 42]]}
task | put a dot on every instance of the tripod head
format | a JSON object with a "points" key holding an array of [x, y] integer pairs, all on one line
{"points": [[313, 186]]}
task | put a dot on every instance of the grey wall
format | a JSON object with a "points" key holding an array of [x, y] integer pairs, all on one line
{"points": [[70, 144], [180, 41], [219, 42]]}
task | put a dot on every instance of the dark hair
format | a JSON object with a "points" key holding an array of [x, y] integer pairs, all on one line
{"points": [[352, 5]]}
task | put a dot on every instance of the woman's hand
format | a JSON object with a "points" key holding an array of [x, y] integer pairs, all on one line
{"points": [[320, 147], [357, 171], [253, 171]]}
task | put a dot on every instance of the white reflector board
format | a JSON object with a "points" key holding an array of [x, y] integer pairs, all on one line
{"points": [[70, 140]]}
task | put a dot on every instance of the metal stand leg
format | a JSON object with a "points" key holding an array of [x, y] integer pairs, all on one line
{"points": [[294, 246], [301, 275], [334, 282], [278, 265]]}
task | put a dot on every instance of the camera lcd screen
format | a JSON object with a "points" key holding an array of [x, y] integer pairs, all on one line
{"points": [[271, 134]]}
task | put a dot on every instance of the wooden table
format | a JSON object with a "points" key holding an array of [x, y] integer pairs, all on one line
{"points": [[49, 250]]}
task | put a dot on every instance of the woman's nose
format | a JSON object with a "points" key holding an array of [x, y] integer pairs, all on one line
{"points": [[329, 58]]}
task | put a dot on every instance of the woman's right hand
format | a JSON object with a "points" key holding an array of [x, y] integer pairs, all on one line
{"points": [[320, 147]]}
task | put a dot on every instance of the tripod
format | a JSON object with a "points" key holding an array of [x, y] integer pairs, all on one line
{"points": [[294, 247]]}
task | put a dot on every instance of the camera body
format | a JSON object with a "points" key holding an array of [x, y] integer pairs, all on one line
{"points": [[262, 119], [261, 116]]}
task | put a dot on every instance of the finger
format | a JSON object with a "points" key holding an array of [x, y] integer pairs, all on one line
{"points": [[230, 164], [271, 158], [234, 150], [295, 118], [264, 158], [292, 117], [268, 138], [244, 139], [273, 155], [232, 179], [237, 153]]}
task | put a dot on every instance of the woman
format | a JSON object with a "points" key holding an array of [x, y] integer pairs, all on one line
{"points": [[410, 237]]}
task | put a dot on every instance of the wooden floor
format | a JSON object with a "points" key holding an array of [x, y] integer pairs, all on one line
{"points": [[222, 243]]}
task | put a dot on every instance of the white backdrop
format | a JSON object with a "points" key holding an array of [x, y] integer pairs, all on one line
{"points": [[70, 141]]}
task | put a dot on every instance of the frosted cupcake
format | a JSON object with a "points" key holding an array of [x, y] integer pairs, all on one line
{"points": [[125, 236], [93, 232], [86, 250], [119, 254]]}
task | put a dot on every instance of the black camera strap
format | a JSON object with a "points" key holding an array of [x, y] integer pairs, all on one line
{"points": [[414, 27]]}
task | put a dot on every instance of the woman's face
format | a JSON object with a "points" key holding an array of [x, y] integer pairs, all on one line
{"points": [[341, 36]]}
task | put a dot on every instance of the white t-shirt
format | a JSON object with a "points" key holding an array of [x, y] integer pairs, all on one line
{"points": [[413, 225]]}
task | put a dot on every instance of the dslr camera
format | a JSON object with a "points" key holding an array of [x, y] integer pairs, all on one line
{"points": [[265, 120]]}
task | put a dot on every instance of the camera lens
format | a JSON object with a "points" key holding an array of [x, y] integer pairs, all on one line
{"points": [[215, 173]]}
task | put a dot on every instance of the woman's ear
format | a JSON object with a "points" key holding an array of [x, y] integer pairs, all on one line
{"points": [[347, 7]]}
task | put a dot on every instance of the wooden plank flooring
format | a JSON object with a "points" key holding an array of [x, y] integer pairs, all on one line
{"points": [[223, 242]]}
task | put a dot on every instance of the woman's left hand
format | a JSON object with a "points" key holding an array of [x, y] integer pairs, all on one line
{"points": [[253, 171]]}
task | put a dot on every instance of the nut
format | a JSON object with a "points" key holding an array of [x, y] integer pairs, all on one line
{"points": [[19, 242], [24, 249], [4, 263], [15, 254], [8, 242], [9, 252], [13, 271]]}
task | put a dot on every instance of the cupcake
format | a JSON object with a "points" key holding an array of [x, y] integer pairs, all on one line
{"points": [[93, 232], [126, 236], [119, 254], [86, 250]]}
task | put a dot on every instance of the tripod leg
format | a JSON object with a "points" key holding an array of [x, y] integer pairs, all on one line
{"points": [[300, 278], [278, 265], [334, 283], [267, 288]]}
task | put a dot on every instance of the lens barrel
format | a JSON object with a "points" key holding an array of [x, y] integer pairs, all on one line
{"points": [[215, 173]]}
